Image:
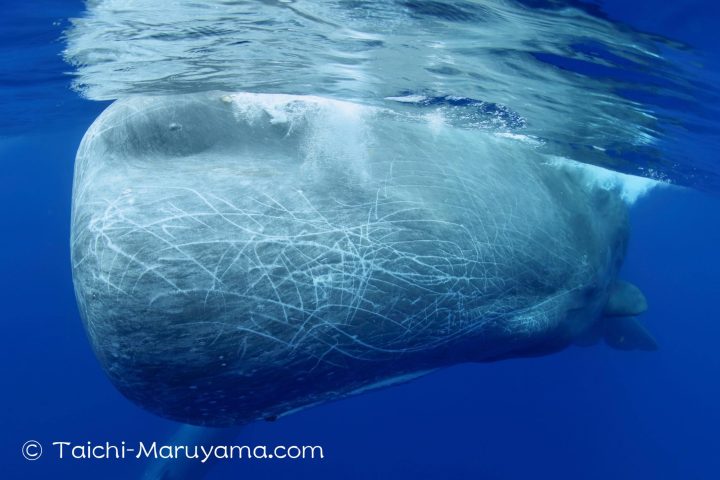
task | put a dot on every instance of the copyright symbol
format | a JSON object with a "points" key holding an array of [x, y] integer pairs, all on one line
{"points": [[31, 450]]}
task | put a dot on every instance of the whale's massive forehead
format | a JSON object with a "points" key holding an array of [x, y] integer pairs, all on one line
{"points": [[240, 256]]}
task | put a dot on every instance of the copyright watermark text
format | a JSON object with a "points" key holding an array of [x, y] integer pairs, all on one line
{"points": [[63, 450]]}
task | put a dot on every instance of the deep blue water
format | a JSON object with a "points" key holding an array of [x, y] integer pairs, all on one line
{"points": [[590, 413]]}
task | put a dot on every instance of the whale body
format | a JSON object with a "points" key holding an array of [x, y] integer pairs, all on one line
{"points": [[241, 256]]}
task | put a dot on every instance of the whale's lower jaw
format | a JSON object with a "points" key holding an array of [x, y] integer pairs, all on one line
{"points": [[236, 257]]}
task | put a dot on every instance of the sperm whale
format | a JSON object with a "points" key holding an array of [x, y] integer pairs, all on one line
{"points": [[241, 256]]}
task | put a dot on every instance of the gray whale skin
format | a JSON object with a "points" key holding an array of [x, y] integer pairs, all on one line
{"points": [[238, 257]]}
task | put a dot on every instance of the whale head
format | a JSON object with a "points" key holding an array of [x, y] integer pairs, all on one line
{"points": [[240, 256]]}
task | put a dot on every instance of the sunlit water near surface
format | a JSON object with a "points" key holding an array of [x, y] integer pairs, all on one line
{"points": [[560, 74], [630, 86]]}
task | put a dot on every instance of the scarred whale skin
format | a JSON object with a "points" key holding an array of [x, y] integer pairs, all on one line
{"points": [[239, 256]]}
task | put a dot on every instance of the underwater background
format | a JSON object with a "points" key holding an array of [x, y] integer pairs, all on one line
{"points": [[628, 85]]}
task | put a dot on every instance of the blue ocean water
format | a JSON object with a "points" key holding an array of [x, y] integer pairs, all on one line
{"points": [[582, 413]]}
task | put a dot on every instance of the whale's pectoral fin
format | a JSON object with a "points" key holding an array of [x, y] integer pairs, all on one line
{"points": [[618, 325], [620, 328], [627, 333], [624, 299]]}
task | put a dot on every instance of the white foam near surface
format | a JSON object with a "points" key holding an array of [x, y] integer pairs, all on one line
{"points": [[408, 98], [342, 124], [284, 108], [632, 187], [336, 131]]}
